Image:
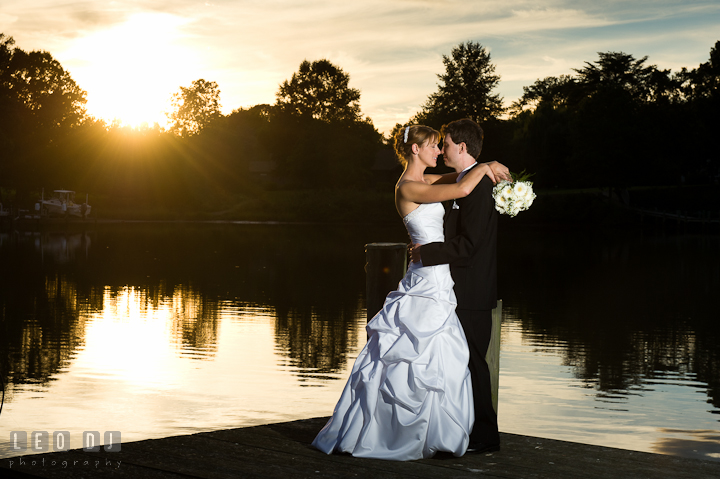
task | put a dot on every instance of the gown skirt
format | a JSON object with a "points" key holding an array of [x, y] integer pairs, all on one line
{"points": [[409, 394]]}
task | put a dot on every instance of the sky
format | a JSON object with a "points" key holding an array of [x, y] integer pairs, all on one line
{"points": [[132, 55]]}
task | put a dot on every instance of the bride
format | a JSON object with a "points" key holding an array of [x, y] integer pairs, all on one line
{"points": [[409, 394]]}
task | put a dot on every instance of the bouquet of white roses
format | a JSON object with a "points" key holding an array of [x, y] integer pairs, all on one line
{"points": [[512, 198]]}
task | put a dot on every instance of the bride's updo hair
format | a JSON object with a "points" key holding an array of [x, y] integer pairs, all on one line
{"points": [[406, 137]]}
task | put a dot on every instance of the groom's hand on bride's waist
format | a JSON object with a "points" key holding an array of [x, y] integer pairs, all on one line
{"points": [[414, 252]]}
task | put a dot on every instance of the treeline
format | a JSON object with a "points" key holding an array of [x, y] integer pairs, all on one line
{"points": [[621, 122], [617, 121]]}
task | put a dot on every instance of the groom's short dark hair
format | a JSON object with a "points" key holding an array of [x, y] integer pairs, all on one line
{"points": [[468, 132]]}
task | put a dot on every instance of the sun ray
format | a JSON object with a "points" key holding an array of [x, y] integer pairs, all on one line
{"points": [[131, 70]]}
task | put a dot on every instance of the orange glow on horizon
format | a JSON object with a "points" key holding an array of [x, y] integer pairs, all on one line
{"points": [[131, 70]]}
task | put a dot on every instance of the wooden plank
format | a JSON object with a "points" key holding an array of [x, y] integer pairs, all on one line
{"points": [[284, 451]]}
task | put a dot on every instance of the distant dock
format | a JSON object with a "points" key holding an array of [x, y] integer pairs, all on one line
{"points": [[283, 451], [33, 222]]}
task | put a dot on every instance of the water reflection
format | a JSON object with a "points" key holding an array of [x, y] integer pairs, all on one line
{"points": [[314, 345], [702, 443], [625, 309], [62, 247], [40, 323], [609, 336], [630, 318]]}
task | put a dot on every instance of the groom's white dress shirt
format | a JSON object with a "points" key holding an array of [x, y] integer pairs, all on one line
{"points": [[459, 177]]}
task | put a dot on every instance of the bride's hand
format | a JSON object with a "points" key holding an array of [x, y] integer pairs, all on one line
{"points": [[498, 171]]}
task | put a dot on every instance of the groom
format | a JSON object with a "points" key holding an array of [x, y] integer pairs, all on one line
{"points": [[470, 248]]}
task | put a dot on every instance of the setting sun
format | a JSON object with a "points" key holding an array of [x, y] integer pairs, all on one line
{"points": [[131, 71]]}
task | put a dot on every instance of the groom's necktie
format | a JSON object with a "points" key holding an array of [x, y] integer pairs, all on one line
{"points": [[462, 173], [459, 177]]}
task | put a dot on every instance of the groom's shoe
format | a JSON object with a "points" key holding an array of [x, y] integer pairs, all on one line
{"points": [[479, 447]]}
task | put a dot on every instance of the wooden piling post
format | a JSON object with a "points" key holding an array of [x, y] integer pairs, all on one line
{"points": [[492, 357], [386, 264]]}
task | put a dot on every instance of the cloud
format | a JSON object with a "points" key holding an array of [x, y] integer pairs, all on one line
{"points": [[391, 49], [6, 21]]}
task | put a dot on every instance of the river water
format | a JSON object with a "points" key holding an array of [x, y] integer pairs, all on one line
{"points": [[609, 337]]}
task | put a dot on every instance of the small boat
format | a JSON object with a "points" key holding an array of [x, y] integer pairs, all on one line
{"points": [[62, 203]]}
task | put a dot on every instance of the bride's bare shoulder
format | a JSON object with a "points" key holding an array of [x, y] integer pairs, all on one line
{"points": [[402, 204], [405, 182]]}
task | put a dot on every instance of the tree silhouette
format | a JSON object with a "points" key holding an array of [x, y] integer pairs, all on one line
{"points": [[40, 103], [555, 91], [612, 116], [320, 90], [9, 103], [40, 83], [465, 89], [704, 81], [195, 107], [701, 89], [617, 71]]}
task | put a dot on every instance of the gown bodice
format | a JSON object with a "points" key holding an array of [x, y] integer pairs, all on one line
{"points": [[425, 223]]}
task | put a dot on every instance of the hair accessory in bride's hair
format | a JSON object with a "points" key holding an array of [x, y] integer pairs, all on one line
{"points": [[407, 129]]}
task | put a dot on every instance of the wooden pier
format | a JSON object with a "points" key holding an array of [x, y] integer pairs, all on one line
{"points": [[283, 451], [680, 217]]}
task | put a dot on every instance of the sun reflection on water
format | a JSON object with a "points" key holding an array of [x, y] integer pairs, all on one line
{"points": [[130, 339]]}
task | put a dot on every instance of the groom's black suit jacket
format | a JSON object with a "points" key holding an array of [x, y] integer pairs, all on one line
{"points": [[470, 248]]}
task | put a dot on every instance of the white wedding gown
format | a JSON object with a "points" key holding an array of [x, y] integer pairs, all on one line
{"points": [[409, 394]]}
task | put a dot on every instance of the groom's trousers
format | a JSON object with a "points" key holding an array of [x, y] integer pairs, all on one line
{"points": [[477, 325]]}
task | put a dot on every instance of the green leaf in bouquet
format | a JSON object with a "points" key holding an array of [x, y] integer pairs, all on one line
{"points": [[522, 176]]}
